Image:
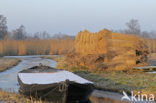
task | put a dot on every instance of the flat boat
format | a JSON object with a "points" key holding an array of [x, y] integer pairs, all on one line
{"points": [[59, 86]]}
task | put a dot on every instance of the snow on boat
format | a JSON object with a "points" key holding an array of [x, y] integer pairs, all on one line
{"points": [[59, 86]]}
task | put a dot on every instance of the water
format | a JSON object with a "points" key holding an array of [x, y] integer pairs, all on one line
{"points": [[106, 97], [8, 78]]}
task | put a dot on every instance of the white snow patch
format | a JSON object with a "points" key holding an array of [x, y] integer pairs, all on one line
{"points": [[48, 78]]}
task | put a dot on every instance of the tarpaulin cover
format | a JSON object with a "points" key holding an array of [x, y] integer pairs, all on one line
{"points": [[49, 78]]}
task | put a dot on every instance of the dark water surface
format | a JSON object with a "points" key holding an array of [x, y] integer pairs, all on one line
{"points": [[8, 79]]}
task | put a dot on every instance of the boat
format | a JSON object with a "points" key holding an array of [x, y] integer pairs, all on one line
{"points": [[56, 85]]}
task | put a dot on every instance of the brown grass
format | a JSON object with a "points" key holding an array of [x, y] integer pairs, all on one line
{"points": [[152, 44], [114, 81], [6, 63], [36, 47], [10, 97]]}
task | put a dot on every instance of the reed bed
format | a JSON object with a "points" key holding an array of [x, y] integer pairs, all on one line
{"points": [[35, 47]]}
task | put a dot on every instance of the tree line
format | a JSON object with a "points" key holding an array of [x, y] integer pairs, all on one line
{"points": [[133, 27], [21, 34]]}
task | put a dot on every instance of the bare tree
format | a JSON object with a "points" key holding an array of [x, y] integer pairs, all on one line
{"points": [[36, 35], [3, 27], [133, 27], [45, 35], [145, 34], [20, 33], [41, 35]]}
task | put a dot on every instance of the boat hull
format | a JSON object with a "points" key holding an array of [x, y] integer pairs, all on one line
{"points": [[62, 92]]}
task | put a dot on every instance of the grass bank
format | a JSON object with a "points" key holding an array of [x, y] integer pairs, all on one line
{"points": [[10, 97], [6, 63], [114, 81]]}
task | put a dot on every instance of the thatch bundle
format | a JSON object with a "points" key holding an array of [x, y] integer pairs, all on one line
{"points": [[91, 43], [118, 51], [151, 44]]}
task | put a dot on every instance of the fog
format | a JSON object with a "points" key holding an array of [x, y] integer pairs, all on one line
{"points": [[71, 16]]}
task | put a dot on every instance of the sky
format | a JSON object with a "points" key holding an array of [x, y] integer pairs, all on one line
{"points": [[71, 16]]}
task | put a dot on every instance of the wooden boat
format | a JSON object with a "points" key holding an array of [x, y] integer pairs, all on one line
{"points": [[59, 86]]}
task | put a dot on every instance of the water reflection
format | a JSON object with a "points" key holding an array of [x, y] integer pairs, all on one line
{"points": [[106, 97]]}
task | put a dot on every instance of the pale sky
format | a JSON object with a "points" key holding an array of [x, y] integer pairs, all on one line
{"points": [[71, 16]]}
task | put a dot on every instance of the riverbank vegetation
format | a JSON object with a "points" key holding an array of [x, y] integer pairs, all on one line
{"points": [[114, 81], [35, 47], [7, 63], [11, 97]]}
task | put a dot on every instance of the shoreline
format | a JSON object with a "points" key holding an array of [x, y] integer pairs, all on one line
{"points": [[8, 63]]}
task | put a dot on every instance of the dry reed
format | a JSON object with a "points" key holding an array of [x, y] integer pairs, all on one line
{"points": [[35, 47]]}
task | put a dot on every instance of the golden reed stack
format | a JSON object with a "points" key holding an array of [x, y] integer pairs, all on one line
{"points": [[120, 50]]}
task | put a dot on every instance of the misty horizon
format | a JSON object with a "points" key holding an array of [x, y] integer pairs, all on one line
{"points": [[69, 17]]}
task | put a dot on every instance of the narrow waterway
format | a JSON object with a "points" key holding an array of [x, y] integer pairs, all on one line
{"points": [[8, 79]]}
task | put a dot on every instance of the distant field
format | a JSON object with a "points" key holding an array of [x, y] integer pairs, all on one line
{"points": [[6, 63]]}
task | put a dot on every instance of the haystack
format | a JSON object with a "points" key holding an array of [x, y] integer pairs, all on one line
{"points": [[109, 50]]}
